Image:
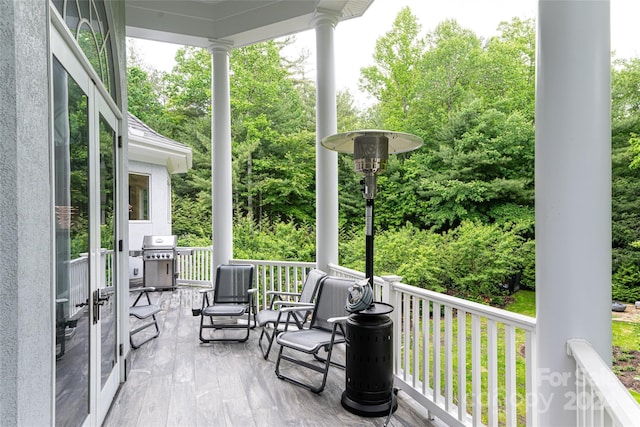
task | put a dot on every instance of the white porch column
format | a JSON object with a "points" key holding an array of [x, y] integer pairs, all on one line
{"points": [[573, 196], [326, 160], [222, 206]]}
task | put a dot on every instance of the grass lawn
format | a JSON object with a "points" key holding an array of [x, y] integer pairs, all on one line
{"points": [[524, 303], [624, 334]]}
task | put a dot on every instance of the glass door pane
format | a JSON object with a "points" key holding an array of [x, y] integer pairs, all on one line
{"points": [[107, 290], [71, 195]]}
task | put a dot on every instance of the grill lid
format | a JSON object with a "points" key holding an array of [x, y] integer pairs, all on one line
{"points": [[159, 242]]}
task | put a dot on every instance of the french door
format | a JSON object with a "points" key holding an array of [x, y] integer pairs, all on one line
{"points": [[85, 165]]}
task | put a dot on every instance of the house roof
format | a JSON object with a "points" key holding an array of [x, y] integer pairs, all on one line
{"points": [[241, 22], [147, 145]]}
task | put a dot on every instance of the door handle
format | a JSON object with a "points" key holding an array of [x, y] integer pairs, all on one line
{"points": [[97, 302]]}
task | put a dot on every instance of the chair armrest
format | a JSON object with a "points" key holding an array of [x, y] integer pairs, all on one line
{"points": [[337, 319], [145, 289], [297, 307], [285, 304], [205, 300], [274, 296], [253, 296], [288, 294]]}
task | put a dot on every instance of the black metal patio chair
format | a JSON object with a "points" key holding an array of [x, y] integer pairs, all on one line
{"points": [[145, 311], [272, 319], [232, 300], [325, 330]]}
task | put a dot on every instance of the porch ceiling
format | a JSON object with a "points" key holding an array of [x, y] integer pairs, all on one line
{"points": [[242, 22]]}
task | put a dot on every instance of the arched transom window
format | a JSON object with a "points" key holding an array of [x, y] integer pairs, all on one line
{"points": [[88, 23]]}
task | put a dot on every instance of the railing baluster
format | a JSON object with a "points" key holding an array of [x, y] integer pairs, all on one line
{"points": [[396, 300], [476, 371], [406, 311], [272, 281], [530, 374], [437, 391], [265, 283], [448, 358], [415, 342], [462, 365], [510, 375], [426, 338], [492, 371]]}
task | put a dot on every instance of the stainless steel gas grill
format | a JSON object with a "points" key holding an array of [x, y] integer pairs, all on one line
{"points": [[159, 256]]}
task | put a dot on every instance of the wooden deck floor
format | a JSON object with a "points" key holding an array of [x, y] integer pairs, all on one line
{"points": [[177, 381]]}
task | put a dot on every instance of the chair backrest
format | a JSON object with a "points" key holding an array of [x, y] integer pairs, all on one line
{"points": [[310, 286], [233, 282], [331, 301]]}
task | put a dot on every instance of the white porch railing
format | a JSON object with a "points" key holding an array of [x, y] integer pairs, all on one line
{"points": [[283, 276], [600, 399], [195, 268], [78, 284], [432, 354], [79, 279]]}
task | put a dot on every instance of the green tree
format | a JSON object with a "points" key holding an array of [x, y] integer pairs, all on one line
{"points": [[507, 70], [143, 98], [625, 109], [449, 71], [483, 163], [393, 80], [188, 86], [273, 152]]}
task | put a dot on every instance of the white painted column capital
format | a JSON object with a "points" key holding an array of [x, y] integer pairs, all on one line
{"points": [[325, 17], [220, 46]]}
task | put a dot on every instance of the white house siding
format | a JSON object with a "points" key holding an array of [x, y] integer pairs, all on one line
{"points": [[159, 222]]}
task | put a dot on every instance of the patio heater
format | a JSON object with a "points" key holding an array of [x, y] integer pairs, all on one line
{"points": [[369, 330]]}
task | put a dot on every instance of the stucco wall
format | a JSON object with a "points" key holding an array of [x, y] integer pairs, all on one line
{"points": [[26, 293], [26, 309]]}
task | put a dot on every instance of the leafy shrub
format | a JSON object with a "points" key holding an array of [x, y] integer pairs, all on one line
{"points": [[471, 261], [278, 241], [479, 258], [528, 258], [626, 283], [413, 254]]}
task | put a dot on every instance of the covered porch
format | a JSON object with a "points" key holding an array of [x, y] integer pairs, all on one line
{"points": [[176, 380], [566, 351]]}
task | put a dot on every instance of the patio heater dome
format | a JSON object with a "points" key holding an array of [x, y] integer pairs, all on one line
{"points": [[371, 149]]}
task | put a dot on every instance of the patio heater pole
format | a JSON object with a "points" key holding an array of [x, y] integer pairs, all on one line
{"points": [[369, 364], [369, 241]]}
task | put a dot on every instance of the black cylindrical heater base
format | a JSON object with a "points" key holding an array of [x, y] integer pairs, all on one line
{"points": [[369, 364]]}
